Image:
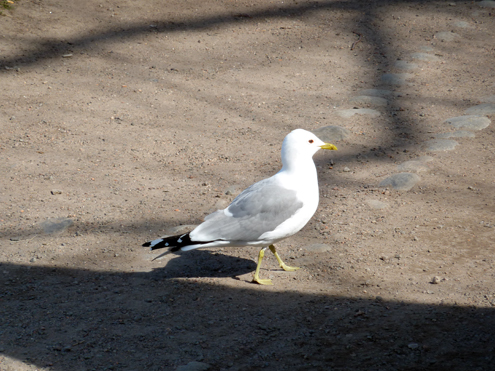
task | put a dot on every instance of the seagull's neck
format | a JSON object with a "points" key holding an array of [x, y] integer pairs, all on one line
{"points": [[301, 166], [299, 174]]}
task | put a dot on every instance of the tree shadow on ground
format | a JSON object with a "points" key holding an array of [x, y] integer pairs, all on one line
{"points": [[49, 49], [77, 319], [366, 16]]}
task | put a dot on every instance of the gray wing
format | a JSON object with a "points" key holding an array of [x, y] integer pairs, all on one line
{"points": [[260, 208]]}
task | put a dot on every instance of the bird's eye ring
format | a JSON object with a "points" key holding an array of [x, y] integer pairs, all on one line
{"points": [[311, 141]]}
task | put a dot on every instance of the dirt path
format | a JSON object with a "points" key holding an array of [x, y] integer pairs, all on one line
{"points": [[122, 120]]}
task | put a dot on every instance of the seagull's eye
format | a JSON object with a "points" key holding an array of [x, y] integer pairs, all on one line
{"points": [[311, 141]]}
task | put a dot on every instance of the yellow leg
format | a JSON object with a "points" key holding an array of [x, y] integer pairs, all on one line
{"points": [[256, 277], [281, 263]]}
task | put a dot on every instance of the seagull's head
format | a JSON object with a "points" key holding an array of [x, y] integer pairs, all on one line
{"points": [[303, 143]]}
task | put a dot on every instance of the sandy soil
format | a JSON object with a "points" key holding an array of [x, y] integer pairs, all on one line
{"points": [[126, 119]]}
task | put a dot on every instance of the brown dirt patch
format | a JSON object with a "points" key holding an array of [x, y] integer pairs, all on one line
{"points": [[133, 117]]}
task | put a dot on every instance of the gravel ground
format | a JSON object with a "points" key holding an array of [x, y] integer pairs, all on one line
{"points": [[126, 120]]}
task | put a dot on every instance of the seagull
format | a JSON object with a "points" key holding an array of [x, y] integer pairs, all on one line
{"points": [[265, 213]]}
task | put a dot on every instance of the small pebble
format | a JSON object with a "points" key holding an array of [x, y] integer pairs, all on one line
{"points": [[435, 280]]}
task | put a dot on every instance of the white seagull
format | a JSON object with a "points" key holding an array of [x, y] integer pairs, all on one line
{"points": [[266, 212]]}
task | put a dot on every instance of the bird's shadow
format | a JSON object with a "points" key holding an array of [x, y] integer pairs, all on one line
{"points": [[203, 263]]}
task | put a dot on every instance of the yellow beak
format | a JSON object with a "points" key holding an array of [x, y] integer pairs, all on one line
{"points": [[328, 146]]}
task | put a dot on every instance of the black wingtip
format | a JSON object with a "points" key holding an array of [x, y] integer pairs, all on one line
{"points": [[173, 243]]}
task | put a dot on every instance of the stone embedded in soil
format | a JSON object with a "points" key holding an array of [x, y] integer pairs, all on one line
{"points": [[318, 247], [436, 145], [194, 366], [471, 122], [456, 134], [481, 109], [401, 181], [377, 205], [403, 65], [488, 99], [395, 78], [487, 4], [425, 57], [368, 100], [413, 166], [462, 24], [446, 36], [56, 225], [346, 113], [332, 133]]}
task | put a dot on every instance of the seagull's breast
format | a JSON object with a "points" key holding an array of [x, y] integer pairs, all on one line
{"points": [[308, 194]]}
